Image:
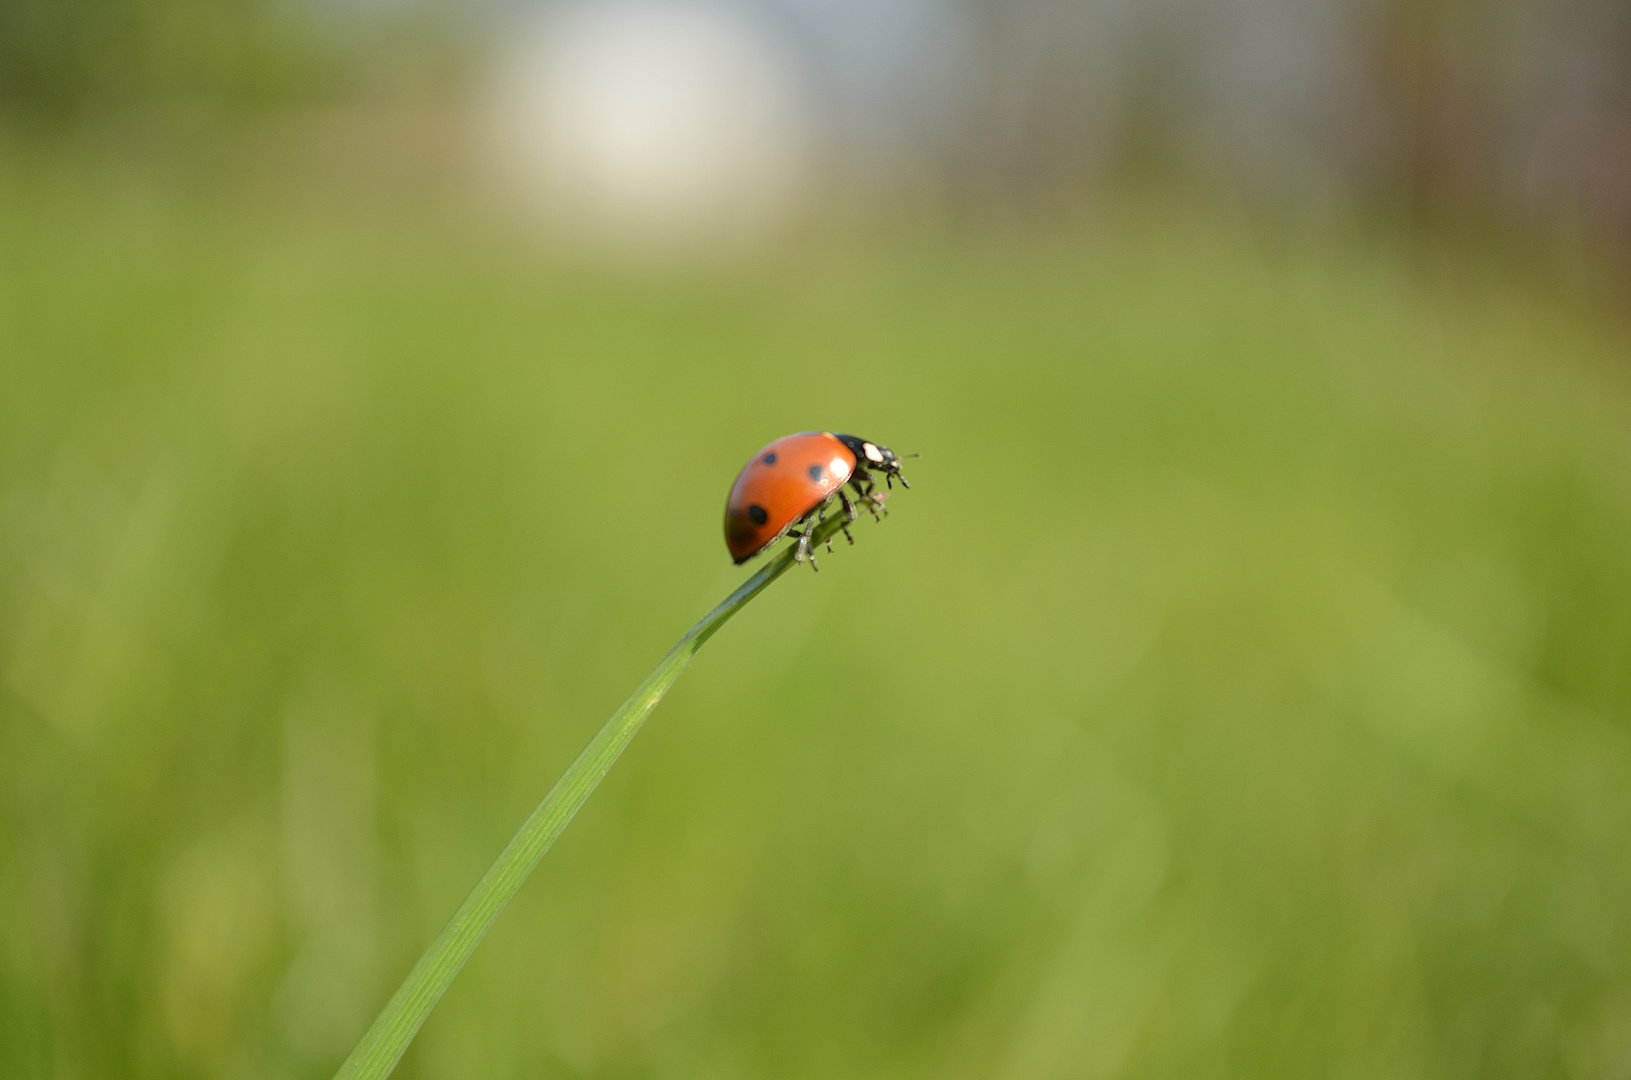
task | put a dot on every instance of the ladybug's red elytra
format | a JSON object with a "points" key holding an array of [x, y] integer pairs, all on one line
{"points": [[788, 486]]}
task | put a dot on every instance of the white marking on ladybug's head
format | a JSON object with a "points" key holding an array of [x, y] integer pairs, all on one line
{"points": [[872, 452]]}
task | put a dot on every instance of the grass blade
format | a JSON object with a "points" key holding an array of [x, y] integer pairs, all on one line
{"points": [[382, 1046]]}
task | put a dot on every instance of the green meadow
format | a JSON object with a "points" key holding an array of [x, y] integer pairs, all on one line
{"points": [[1243, 689]]}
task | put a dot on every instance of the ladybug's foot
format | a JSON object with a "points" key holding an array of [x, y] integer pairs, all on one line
{"points": [[802, 552], [847, 536], [868, 498]]}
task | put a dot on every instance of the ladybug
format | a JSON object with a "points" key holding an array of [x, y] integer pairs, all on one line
{"points": [[788, 486]]}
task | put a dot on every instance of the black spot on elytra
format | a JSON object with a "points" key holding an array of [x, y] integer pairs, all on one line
{"points": [[770, 458], [816, 472], [757, 513]]}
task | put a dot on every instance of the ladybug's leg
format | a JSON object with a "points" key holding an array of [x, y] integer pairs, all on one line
{"points": [[811, 520], [850, 514], [863, 484], [821, 515], [802, 551]]}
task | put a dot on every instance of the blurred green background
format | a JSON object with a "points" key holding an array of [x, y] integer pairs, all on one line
{"points": [[1241, 689]]}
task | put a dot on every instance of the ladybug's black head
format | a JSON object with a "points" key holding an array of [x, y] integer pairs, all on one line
{"points": [[870, 456]]}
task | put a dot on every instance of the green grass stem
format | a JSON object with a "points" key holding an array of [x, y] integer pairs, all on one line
{"points": [[383, 1045]]}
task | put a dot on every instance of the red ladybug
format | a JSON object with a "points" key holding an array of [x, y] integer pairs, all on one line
{"points": [[790, 484]]}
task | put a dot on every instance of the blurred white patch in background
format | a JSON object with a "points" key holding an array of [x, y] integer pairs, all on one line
{"points": [[652, 124]]}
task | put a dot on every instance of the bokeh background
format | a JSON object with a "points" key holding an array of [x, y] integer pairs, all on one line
{"points": [[1242, 690]]}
